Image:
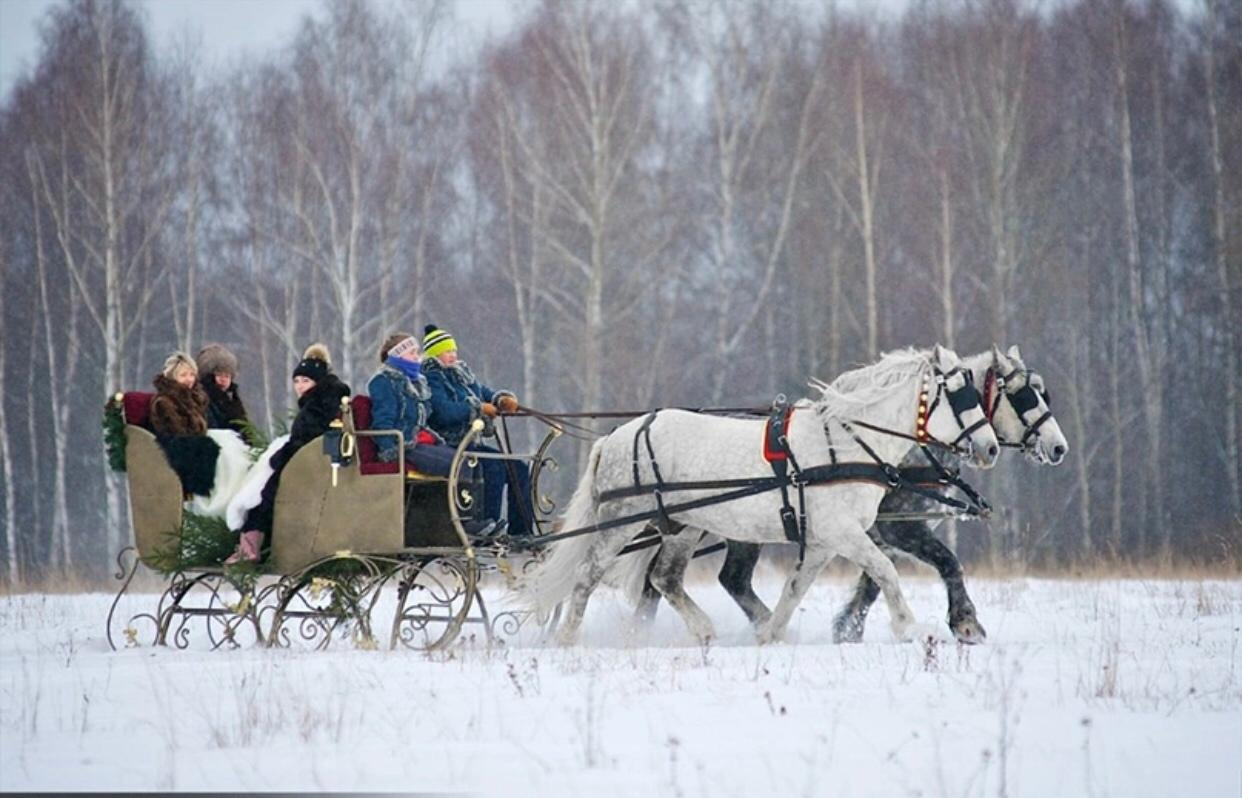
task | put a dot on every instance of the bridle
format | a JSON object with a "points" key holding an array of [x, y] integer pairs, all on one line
{"points": [[1022, 401], [961, 400]]}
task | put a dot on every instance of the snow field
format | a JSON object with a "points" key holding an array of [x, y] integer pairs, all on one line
{"points": [[1112, 688]]}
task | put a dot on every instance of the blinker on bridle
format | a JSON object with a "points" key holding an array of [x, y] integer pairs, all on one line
{"points": [[961, 401], [1022, 401]]}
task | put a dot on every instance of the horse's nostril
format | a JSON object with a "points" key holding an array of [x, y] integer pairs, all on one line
{"points": [[1058, 451], [993, 450]]}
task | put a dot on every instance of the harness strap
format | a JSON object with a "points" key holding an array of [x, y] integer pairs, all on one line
{"points": [[644, 432], [776, 451]]}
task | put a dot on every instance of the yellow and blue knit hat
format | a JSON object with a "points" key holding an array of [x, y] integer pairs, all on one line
{"points": [[436, 341]]}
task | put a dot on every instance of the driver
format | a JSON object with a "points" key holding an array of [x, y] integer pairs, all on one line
{"points": [[457, 399]]}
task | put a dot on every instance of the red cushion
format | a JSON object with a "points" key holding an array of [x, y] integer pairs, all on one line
{"points": [[368, 452], [136, 408]]}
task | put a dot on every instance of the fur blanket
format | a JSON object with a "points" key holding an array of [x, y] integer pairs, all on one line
{"points": [[250, 493], [232, 466], [194, 458]]}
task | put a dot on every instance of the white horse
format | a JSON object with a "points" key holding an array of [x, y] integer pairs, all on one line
{"points": [[1016, 403], [909, 392]]}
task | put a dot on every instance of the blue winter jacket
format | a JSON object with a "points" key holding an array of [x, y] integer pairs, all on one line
{"points": [[397, 402], [456, 395]]}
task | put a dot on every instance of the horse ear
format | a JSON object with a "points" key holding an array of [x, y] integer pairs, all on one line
{"points": [[997, 357], [1014, 353], [938, 355]]}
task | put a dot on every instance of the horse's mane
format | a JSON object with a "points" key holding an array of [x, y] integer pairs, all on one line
{"points": [[859, 388]]}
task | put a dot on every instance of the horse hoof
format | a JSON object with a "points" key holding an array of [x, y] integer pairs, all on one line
{"points": [[847, 629], [968, 631], [905, 632]]}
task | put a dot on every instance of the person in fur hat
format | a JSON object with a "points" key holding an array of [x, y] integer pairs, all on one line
{"points": [[457, 399], [178, 417], [217, 374], [179, 407], [319, 393]]}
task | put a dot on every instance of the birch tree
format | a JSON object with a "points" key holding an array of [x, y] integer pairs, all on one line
{"points": [[103, 176]]}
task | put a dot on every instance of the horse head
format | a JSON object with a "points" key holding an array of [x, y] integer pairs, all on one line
{"points": [[951, 410], [1019, 409]]}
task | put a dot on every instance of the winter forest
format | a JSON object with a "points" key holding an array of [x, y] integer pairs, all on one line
{"points": [[656, 203]]}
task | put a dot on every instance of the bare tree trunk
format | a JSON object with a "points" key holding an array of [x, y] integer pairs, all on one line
{"points": [[867, 214], [12, 567], [60, 400], [1078, 390], [1149, 390], [1229, 406], [1115, 413]]}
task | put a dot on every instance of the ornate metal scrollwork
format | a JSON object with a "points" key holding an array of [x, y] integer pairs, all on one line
{"points": [[434, 596]]}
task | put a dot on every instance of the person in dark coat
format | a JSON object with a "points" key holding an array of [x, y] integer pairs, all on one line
{"points": [[217, 374], [178, 417], [457, 399], [319, 402]]}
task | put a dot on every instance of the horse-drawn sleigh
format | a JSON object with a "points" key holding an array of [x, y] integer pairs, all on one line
{"points": [[346, 527], [350, 531]]}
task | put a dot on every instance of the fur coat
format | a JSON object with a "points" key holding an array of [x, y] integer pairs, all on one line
{"points": [[316, 410], [177, 411]]}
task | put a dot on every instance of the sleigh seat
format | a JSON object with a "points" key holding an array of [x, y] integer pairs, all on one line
{"points": [[369, 462]]}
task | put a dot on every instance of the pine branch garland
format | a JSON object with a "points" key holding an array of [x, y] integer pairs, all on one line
{"points": [[201, 542], [252, 435], [114, 434]]}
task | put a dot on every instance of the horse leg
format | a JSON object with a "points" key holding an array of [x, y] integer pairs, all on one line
{"points": [[649, 601], [668, 576], [916, 538], [862, 551], [817, 556], [736, 575], [599, 557], [848, 625]]}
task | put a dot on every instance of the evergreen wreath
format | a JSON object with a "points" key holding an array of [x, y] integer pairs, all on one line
{"points": [[114, 434]]}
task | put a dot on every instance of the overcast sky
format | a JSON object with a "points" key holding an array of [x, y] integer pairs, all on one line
{"points": [[226, 28]]}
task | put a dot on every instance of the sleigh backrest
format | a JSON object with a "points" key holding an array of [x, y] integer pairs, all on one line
{"points": [[154, 492], [315, 518]]}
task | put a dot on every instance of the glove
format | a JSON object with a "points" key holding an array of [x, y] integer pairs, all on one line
{"points": [[488, 409], [507, 403]]}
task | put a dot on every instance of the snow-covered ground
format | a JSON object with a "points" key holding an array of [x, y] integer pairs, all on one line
{"points": [[1117, 688]]}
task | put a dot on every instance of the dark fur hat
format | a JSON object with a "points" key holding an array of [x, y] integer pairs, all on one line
{"points": [[216, 359], [315, 363]]}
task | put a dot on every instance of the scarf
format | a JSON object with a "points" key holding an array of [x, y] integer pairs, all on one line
{"points": [[410, 369]]}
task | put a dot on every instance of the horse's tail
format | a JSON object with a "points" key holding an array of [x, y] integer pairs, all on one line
{"points": [[555, 578], [629, 573]]}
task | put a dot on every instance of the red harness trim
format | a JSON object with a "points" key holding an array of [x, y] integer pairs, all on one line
{"points": [[771, 446]]}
